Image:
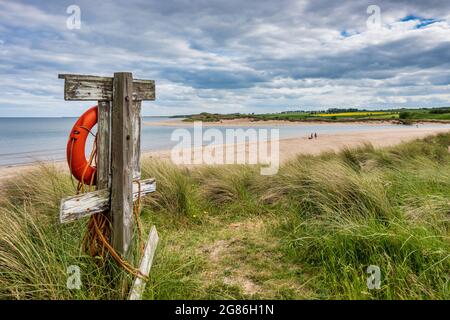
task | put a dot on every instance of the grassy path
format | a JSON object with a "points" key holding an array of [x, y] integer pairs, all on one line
{"points": [[225, 258]]}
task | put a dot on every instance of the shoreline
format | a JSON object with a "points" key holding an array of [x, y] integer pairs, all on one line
{"points": [[247, 122], [288, 147]]}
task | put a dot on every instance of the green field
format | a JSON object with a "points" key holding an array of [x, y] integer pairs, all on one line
{"points": [[405, 116], [227, 232]]}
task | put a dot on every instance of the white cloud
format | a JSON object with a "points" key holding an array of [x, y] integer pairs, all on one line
{"points": [[253, 56]]}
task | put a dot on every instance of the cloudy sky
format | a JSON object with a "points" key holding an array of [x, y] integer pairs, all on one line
{"points": [[229, 55]]}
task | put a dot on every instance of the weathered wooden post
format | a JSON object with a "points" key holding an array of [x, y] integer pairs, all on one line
{"points": [[118, 161], [122, 162]]}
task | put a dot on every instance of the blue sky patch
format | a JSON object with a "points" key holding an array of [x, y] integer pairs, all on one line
{"points": [[422, 22]]}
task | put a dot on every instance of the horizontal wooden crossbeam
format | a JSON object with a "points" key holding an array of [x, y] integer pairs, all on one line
{"points": [[86, 204], [93, 88]]}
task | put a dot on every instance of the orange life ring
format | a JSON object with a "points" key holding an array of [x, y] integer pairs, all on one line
{"points": [[76, 146]]}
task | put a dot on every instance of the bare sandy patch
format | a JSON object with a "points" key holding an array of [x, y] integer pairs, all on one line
{"points": [[246, 255]]}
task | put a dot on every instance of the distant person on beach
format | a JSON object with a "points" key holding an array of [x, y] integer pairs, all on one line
{"points": [[315, 135]]}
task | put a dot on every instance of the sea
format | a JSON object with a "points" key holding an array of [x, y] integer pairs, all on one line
{"points": [[27, 140]]}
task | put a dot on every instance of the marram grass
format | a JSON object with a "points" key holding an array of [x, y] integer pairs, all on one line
{"points": [[309, 232]]}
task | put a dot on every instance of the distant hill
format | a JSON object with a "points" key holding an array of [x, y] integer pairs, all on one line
{"points": [[405, 116]]}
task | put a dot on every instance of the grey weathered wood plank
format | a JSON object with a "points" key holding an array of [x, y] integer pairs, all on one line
{"points": [[121, 163], [144, 90], [82, 205], [136, 126], [146, 264], [103, 145], [86, 204], [83, 87], [82, 77]]}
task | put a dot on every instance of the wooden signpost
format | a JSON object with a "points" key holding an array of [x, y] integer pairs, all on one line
{"points": [[118, 160]]}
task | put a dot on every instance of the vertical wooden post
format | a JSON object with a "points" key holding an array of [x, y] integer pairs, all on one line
{"points": [[136, 123], [103, 145], [121, 162]]}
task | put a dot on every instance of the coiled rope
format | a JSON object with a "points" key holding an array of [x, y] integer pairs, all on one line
{"points": [[95, 241]]}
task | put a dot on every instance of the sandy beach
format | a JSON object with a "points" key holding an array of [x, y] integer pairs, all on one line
{"points": [[291, 147]]}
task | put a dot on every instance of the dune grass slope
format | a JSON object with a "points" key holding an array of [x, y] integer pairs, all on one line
{"points": [[309, 232]]}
